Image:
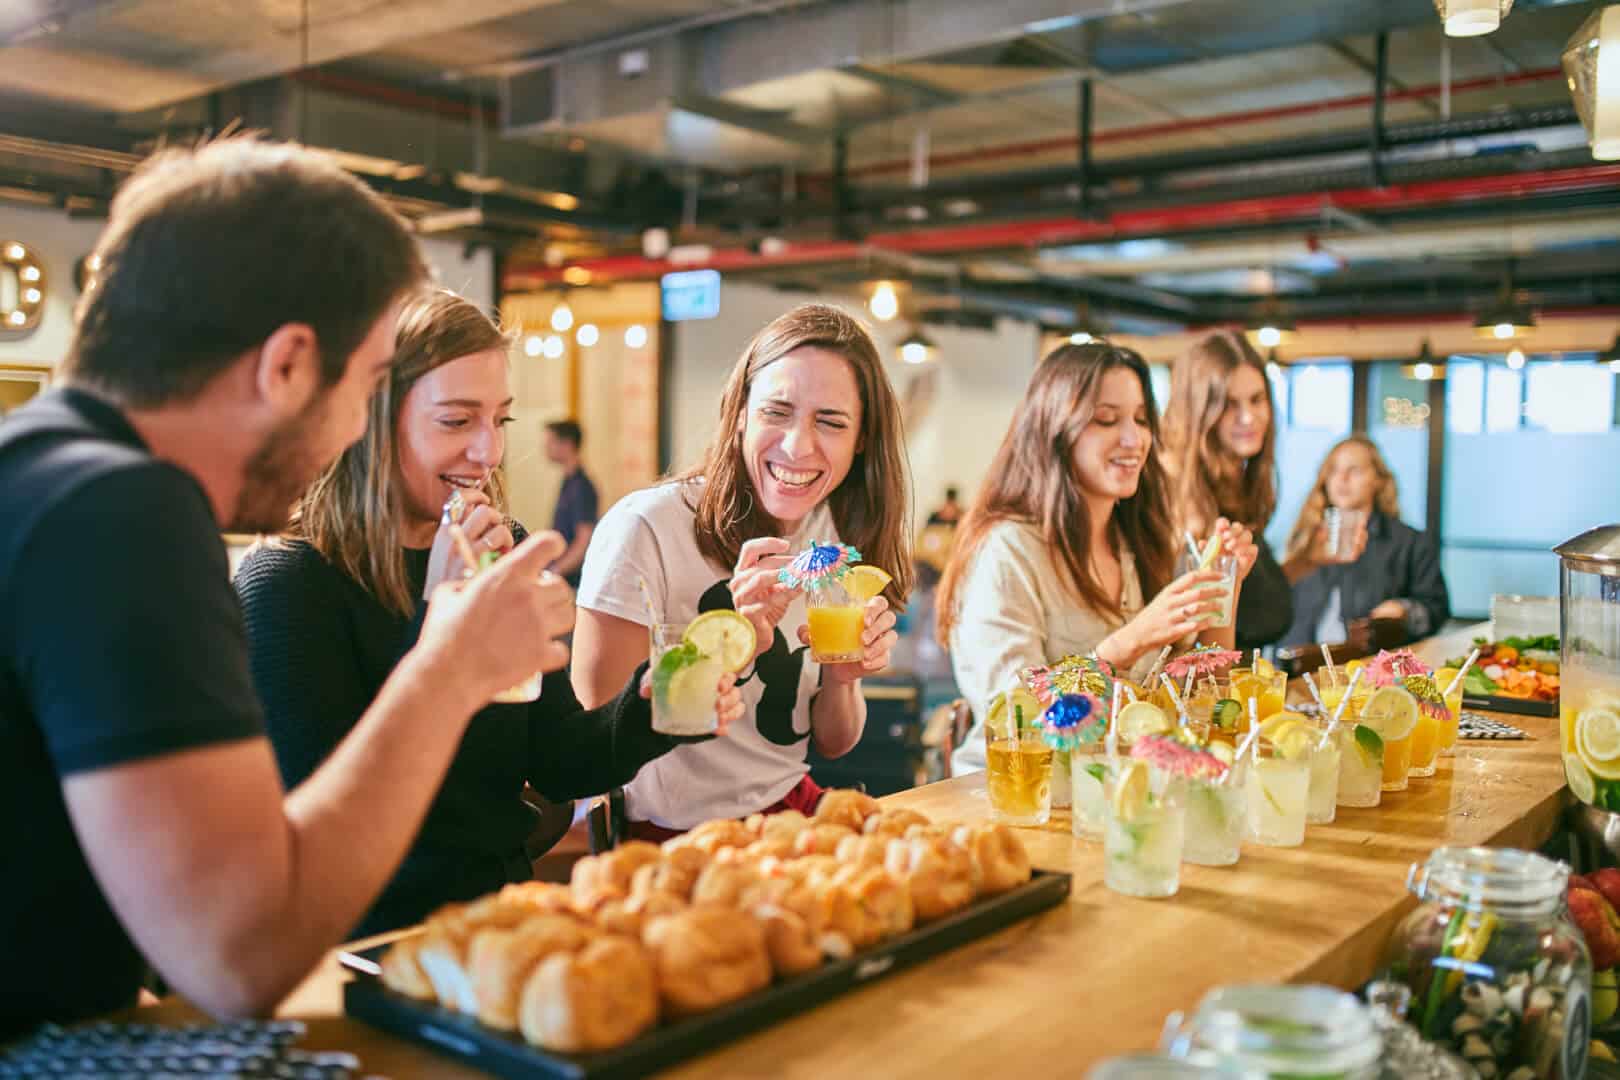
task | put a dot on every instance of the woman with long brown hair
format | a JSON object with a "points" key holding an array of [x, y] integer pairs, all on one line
{"points": [[1221, 450], [1069, 546], [333, 605], [1396, 576], [809, 447]]}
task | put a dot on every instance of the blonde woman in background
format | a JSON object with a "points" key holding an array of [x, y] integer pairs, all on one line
{"points": [[1397, 576], [1069, 547]]}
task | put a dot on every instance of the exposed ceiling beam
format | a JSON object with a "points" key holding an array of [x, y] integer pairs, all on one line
{"points": [[920, 92], [772, 122]]}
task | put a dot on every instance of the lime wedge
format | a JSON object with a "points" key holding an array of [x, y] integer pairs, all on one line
{"points": [[724, 635], [862, 582], [1211, 550]]}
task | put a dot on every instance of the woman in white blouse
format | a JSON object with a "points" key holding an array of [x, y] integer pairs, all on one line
{"points": [[1070, 536]]}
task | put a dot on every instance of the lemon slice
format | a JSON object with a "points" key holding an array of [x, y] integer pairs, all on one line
{"points": [[1292, 738], [1280, 721], [1211, 549], [998, 719], [1131, 791], [862, 582], [724, 635], [1392, 712], [1597, 736], [1223, 751], [1263, 668], [1141, 718], [1260, 770], [1580, 781]]}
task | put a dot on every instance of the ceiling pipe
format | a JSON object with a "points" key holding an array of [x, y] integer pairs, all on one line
{"points": [[1068, 144], [1150, 221]]}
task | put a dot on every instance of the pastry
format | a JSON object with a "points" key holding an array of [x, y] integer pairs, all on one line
{"points": [[893, 822], [445, 940], [846, 807], [940, 874], [401, 972], [726, 884], [846, 923], [705, 957], [784, 825], [594, 999], [863, 850], [597, 879], [821, 839], [711, 836], [675, 873], [885, 898], [500, 960], [999, 860], [789, 940], [629, 917]]}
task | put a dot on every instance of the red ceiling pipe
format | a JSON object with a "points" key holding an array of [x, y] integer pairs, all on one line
{"points": [[1068, 230], [1176, 127]]}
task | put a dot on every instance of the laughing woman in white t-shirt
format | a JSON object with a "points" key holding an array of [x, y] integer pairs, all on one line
{"points": [[809, 447]]}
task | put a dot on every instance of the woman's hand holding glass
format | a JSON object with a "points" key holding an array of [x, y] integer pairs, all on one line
{"points": [[1181, 608], [483, 526], [728, 702], [878, 639], [1237, 540]]}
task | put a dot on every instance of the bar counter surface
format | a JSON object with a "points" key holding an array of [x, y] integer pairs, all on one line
{"points": [[1097, 976]]}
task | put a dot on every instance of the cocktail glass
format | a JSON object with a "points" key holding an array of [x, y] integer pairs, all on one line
{"points": [[1088, 775], [1018, 771], [683, 697], [1321, 800], [1142, 841], [1279, 788], [1426, 736], [837, 621], [1217, 821]]}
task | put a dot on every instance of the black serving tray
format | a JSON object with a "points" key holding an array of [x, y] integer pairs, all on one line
{"points": [[506, 1054], [1517, 706]]}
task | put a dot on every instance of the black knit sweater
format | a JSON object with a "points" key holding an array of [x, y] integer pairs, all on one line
{"points": [[321, 648]]}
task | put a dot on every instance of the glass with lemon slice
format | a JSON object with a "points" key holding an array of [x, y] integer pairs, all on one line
{"points": [[1217, 819], [1088, 766], [1361, 765], [687, 662], [1018, 763], [1280, 781], [837, 611], [1143, 835], [1392, 712], [1265, 684]]}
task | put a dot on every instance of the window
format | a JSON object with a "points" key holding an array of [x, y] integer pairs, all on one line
{"points": [[1399, 427]]}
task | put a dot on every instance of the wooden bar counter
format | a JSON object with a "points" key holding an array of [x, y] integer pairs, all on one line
{"points": [[1097, 976]]}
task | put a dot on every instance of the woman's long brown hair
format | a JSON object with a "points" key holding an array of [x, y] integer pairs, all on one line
{"points": [[1386, 499], [871, 508], [1206, 480], [353, 514], [1033, 479]]}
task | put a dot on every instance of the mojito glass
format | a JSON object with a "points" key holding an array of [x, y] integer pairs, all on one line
{"points": [[1216, 821], [1361, 766], [685, 684], [1278, 788], [1321, 800], [1143, 834], [1088, 773]]}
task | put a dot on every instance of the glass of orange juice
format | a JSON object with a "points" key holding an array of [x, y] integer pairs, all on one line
{"points": [[1393, 713], [837, 621], [1426, 737]]}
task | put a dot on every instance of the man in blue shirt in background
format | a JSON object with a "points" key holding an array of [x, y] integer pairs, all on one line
{"points": [[576, 514]]}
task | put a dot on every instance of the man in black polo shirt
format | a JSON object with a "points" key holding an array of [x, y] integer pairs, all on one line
{"points": [[242, 316]]}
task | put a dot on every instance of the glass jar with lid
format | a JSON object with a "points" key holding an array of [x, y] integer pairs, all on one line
{"points": [[1589, 669], [1160, 1067], [1299, 1032], [1497, 973]]}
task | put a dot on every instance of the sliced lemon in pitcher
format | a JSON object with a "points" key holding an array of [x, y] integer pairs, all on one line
{"points": [[724, 635], [862, 582], [1392, 712], [1597, 738], [1581, 784]]}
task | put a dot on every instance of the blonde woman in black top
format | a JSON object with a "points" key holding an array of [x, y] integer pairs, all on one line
{"points": [[332, 606]]}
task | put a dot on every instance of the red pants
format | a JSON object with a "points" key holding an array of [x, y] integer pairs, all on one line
{"points": [[803, 798]]}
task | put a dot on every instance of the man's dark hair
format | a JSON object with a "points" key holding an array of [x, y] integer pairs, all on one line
{"points": [[209, 250], [950, 494], [567, 430]]}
